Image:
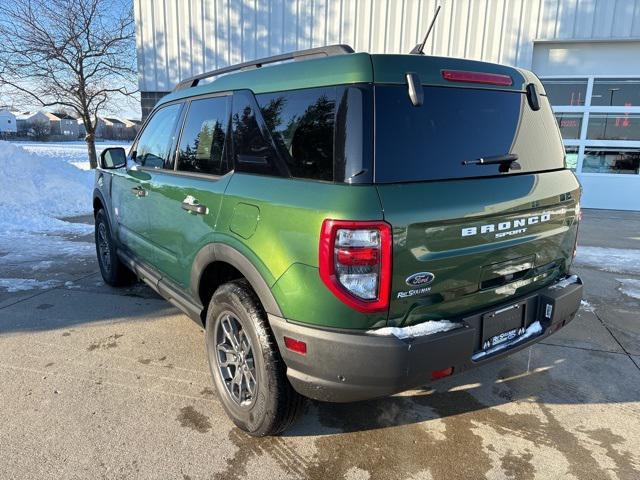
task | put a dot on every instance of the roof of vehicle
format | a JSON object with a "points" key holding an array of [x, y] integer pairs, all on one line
{"points": [[348, 68]]}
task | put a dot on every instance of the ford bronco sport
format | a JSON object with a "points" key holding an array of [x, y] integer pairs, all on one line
{"points": [[344, 225]]}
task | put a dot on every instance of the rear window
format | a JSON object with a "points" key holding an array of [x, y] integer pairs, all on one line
{"points": [[453, 125]]}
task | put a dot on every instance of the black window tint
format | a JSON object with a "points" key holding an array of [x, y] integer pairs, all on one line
{"points": [[252, 151], [454, 125], [202, 143], [301, 123], [157, 139]]}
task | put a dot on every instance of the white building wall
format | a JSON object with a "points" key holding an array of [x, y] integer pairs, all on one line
{"points": [[7, 122], [180, 38]]}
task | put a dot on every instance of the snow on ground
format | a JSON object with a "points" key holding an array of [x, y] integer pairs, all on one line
{"points": [[19, 284], [40, 184], [616, 260], [586, 306], [630, 287]]}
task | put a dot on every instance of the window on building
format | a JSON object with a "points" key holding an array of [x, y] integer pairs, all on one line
{"points": [[302, 123], [613, 126], [571, 159], [570, 125], [252, 149], [616, 92], [611, 160], [201, 147], [566, 91], [154, 146]]}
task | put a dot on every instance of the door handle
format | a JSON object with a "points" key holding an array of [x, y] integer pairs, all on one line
{"points": [[191, 204], [139, 192]]}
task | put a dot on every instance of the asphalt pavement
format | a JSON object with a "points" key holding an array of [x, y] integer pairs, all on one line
{"points": [[113, 383]]}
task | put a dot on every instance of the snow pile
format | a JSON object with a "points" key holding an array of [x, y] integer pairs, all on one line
{"points": [[617, 260], [630, 287], [420, 330], [35, 191]]}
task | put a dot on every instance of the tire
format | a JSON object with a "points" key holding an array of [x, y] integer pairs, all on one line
{"points": [[273, 405], [114, 272]]}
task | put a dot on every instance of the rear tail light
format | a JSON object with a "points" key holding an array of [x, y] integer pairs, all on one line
{"points": [[355, 262], [477, 77]]}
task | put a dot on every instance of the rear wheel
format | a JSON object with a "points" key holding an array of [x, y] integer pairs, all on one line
{"points": [[246, 366], [114, 272]]}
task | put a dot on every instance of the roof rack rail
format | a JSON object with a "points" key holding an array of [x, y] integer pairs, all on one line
{"points": [[327, 51]]}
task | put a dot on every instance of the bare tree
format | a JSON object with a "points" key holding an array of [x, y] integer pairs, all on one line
{"points": [[72, 54], [38, 129]]}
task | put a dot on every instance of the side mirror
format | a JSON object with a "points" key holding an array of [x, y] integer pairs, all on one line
{"points": [[112, 158]]}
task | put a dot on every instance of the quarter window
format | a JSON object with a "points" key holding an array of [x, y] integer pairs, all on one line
{"points": [[252, 150], [157, 139], [301, 124], [201, 147]]}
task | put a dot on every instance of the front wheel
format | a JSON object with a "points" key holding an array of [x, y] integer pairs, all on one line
{"points": [[247, 369]]}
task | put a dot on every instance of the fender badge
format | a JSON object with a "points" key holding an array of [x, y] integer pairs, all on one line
{"points": [[419, 279]]}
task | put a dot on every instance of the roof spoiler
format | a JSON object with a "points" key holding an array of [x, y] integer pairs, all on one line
{"points": [[327, 51]]}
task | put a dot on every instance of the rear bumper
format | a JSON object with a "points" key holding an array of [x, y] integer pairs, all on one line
{"points": [[345, 366]]}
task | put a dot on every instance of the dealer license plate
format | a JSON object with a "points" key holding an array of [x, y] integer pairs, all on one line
{"points": [[503, 325]]}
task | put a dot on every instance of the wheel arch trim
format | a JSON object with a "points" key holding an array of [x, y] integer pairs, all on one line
{"points": [[221, 252], [97, 194]]}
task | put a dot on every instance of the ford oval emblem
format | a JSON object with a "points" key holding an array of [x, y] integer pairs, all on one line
{"points": [[419, 279]]}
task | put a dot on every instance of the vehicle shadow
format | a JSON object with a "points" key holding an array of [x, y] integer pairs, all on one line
{"points": [[542, 375], [85, 301]]}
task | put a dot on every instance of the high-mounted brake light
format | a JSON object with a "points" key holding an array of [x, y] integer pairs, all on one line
{"points": [[477, 77], [355, 262]]}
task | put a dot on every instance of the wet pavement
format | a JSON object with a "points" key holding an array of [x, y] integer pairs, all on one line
{"points": [[106, 383]]}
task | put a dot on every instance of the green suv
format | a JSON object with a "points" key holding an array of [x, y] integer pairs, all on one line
{"points": [[346, 225]]}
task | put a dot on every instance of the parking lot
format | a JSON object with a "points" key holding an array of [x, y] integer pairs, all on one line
{"points": [[106, 383]]}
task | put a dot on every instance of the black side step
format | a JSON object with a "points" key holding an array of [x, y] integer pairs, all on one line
{"points": [[163, 287]]}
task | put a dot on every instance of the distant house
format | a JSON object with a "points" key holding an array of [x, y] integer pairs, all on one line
{"points": [[112, 128], [133, 127], [8, 124], [63, 124], [29, 122]]}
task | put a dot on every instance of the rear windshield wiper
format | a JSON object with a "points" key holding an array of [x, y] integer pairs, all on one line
{"points": [[507, 162]]}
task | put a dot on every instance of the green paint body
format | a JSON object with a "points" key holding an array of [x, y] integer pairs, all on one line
{"points": [[275, 222]]}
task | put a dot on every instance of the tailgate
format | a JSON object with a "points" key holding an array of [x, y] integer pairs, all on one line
{"points": [[464, 245]]}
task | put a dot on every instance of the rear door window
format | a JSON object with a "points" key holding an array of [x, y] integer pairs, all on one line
{"points": [[453, 125], [157, 140], [201, 148], [301, 123]]}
